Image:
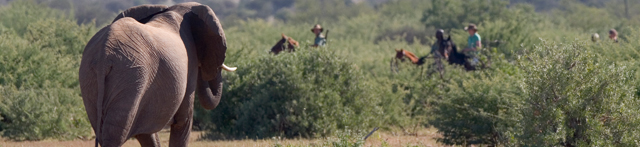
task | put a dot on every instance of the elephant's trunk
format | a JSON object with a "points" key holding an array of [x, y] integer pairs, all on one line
{"points": [[209, 92]]}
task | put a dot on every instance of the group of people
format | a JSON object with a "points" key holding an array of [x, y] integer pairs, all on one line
{"points": [[474, 44], [613, 35]]}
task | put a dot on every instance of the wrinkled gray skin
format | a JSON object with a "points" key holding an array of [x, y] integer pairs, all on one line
{"points": [[141, 72]]}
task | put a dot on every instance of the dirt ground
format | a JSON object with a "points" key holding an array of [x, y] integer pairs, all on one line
{"points": [[425, 137]]}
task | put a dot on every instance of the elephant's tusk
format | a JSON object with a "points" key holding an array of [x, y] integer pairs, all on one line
{"points": [[230, 69]]}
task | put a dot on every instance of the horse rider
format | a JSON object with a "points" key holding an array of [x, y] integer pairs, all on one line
{"points": [[613, 35], [435, 48], [474, 43], [320, 39], [595, 37]]}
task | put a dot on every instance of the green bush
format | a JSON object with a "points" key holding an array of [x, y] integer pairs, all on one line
{"points": [[509, 36], [346, 138], [19, 14], [478, 108], [574, 98], [456, 14], [39, 91], [581, 17], [309, 93], [36, 114], [327, 11]]}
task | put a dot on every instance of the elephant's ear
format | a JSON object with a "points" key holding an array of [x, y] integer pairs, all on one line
{"points": [[141, 13], [210, 41]]}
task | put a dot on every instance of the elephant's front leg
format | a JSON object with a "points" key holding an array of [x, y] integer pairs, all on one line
{"points": [[181, 126], [148, 140]]}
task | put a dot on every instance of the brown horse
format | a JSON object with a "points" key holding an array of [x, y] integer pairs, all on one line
{"points": [[401, 54], [418, 61], [280, 45]]}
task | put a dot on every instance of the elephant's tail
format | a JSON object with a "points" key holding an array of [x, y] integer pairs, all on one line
{"points": [[102, 75]]}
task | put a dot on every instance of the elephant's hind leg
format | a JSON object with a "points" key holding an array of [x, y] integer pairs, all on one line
{"points": [[148, 140], [181, 127]]}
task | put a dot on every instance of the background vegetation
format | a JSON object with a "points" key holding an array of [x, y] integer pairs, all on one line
{"points": [[547, 84]]}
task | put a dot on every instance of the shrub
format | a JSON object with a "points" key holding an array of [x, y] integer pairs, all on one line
{"points": [[509, 35], [574, 98], [455, 14], [478, 108], [39, 91], [37, 114], [408, 34], [346, 138], [19, 14], [580, 17], [326, 11], [309, 93]]}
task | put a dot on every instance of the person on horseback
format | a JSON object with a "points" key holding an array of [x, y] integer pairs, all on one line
{"points": [[474, 43], [436, 50], [613, 35], [320, 39]]}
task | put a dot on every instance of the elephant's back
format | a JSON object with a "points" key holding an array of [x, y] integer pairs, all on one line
{"points": [[146, 68], [94, 51], [123, 40]]}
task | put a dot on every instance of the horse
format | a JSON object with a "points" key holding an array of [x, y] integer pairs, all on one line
{"points": [[291, 45], [456, 57], [401, 55]]}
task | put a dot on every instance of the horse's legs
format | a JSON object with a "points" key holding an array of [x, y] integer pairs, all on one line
{"points": [[440, 69], [421, 70], [441, 72], [391, 65], [469, 67], [396, 65]]}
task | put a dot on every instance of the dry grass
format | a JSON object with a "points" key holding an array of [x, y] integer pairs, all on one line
{"points": [[425, 137]]}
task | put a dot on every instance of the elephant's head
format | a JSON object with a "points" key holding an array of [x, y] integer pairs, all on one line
{"points": [[206, 34]]}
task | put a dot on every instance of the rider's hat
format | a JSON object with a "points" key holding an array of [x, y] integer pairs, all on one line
{"points": [[613, 31], [471, 26], [595, 37], [317, 26]]}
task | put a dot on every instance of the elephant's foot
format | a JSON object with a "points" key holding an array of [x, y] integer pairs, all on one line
{"points": [[148, 140]]}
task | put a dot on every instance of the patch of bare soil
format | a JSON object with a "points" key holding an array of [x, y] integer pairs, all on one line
{"points": [[425, 137]]}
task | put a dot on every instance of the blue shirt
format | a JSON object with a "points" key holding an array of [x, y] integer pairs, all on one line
{"points": [[473, 43], [320, 40], [473, 40]]}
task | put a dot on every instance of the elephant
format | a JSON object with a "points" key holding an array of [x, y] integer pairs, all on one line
{"points": [[141, 72]]}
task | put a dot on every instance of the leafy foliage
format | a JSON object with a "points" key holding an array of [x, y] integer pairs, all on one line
{"points": [[303, 94], [38, 67], [575, 99], [455, 14], [478, 109]]}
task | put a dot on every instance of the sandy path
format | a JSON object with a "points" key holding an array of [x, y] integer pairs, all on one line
{"points": [[424, 137]]}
